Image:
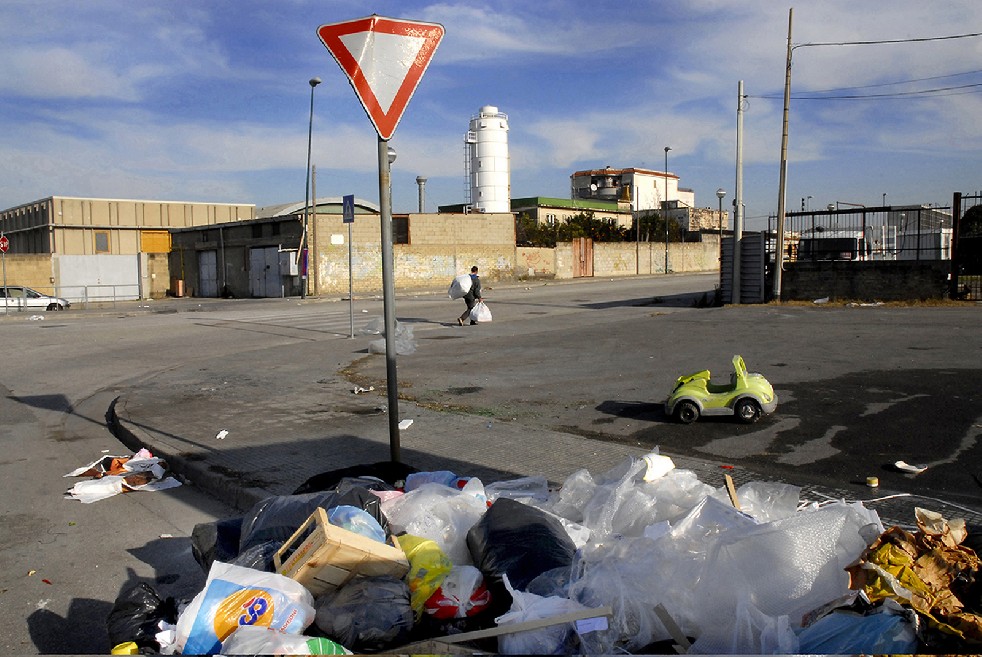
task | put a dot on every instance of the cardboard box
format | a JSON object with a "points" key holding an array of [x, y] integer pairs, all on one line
{"points": [[332, 556]]}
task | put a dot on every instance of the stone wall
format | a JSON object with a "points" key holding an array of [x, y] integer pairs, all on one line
{"points": [[892, 280]]}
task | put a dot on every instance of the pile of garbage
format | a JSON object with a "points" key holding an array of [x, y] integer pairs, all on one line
{"points": [[645, 558]]}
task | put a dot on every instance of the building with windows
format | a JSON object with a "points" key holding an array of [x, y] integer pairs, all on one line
{"points": [[96, 248], [551, 211]]}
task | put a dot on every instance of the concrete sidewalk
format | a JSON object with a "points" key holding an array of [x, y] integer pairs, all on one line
{"points": [[284, 426]]}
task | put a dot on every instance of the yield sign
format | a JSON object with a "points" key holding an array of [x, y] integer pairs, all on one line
{"points": [[384, 59]]}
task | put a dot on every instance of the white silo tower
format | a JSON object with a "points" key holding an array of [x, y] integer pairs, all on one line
{"points": [[487, 163]]}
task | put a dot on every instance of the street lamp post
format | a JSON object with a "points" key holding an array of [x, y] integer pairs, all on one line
{"points": [[720, 193], [306, 198], [665, 205]]}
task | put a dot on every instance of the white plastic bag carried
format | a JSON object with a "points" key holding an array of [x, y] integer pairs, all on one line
{"points": [[460, 286], [480, 313]]}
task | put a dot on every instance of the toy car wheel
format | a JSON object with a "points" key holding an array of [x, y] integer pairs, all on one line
{"points": [[686, 412], [747, 410]]}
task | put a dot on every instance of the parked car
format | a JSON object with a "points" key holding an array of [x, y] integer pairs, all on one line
{"points": [[747, 396], [18, 297]]}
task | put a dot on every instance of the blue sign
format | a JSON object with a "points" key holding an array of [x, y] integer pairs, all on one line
{"points": [[348, 208]]}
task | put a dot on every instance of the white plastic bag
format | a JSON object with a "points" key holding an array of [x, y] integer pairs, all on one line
{"points": [[235, 596], [460, 286], [549, 640], [252, 640], [480, 313]]}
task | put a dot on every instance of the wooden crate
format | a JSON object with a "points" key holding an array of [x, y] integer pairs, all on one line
{"points": [[332, 556]]}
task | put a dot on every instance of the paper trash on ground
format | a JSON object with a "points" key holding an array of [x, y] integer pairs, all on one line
{"points": [[112, 475]]}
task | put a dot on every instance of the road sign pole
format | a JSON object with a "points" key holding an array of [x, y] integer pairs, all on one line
{"points": [[388, 297], [351, 288], [3, 258]]}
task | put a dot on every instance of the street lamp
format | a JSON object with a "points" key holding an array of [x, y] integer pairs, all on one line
{"points": [[665, 204], [720, 193], [306, 198]]}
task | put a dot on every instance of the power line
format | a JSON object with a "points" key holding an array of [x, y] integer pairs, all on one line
{"points": [[940, 91], [883, 41], [890, 84]]}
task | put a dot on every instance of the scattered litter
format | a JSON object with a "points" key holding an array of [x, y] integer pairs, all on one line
{"points": [[907, 467], [166, 536], [872, 482], [35, 318], [643, 558], [31, 573], [822, 300], [405, 424], [358, 389], [112, 475], [865, 305], [405, 344], [46, 581], [221, 434]]}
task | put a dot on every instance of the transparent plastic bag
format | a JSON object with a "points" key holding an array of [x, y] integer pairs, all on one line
{"points": [[251, 640], [440, 513]]}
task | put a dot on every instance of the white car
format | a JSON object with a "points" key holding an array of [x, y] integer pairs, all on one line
{"points": [[18, 297]]}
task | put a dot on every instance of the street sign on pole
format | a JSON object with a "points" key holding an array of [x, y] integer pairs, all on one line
{"points": [[384, 59], [348, 209], [4, 243]]}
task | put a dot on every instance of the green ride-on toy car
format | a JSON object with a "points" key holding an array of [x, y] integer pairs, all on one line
{"points": [[748, 396]]}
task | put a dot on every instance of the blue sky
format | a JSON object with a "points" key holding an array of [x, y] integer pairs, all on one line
{"points": [[208, 100]]}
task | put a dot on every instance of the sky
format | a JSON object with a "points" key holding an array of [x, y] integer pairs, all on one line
{"points": [[209, 100]]}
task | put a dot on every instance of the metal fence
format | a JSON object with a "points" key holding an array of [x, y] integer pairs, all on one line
{"points": [[966, 267], [876, 233]]}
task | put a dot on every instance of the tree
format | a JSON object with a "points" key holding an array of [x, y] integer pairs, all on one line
{"points": [[649, 226], [971, 222], [583, 224]]}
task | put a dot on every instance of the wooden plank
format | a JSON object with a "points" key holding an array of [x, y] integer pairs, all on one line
{"points": [[538, 624]]}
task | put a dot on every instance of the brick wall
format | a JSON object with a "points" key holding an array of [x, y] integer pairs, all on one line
{"points": [[900, 280]]}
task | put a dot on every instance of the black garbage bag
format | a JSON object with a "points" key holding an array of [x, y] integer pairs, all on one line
{"points": [[368, 614], [520, 541], [135, 615], [216, 541], [392, 473], [276, 518]]}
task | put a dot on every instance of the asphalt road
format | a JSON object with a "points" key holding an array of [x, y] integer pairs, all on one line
{"points": [[860, 387]]}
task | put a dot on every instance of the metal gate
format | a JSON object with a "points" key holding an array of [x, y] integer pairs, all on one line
{"points": [[752, 267], [264, 272], [582, 257], [966, 248], [208, 274]]}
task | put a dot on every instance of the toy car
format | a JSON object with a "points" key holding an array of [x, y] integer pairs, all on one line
{"points": [[748, 396]]}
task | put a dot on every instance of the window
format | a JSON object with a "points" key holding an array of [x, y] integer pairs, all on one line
{"points": [[102, 241]]}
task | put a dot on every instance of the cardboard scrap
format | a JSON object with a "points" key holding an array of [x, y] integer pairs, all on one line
{"points": [[926, 570]]}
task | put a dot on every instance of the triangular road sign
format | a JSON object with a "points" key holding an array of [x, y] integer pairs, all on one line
{"points": [[384, 59]]}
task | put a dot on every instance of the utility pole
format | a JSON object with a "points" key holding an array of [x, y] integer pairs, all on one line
{"points": [[779, 255], [738, 198]]}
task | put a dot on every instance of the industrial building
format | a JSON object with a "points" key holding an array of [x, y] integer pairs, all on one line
{"points": [[87, 249]]}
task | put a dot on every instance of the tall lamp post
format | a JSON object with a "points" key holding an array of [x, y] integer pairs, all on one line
{"points": [[665, 204], [306, 198], [720, 193]]}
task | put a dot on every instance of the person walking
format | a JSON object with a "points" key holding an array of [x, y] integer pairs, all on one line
{"points": [[472, 297]]}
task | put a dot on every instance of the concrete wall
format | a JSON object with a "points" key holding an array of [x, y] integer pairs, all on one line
{"points": [[32, 271], [865, 281]]}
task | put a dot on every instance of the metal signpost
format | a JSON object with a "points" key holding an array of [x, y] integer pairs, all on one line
{"points": [[384, 59], [348, 217], [4, 245]]}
